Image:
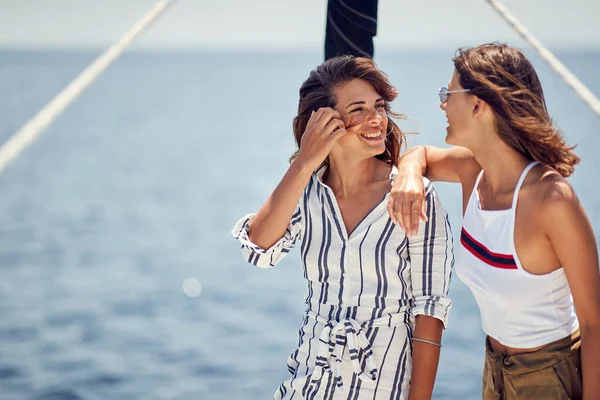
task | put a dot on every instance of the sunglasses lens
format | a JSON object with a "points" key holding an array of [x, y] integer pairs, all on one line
{"points": [[443, 93]]}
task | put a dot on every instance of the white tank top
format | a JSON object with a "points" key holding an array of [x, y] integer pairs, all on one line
{"points": [[518, 309]]}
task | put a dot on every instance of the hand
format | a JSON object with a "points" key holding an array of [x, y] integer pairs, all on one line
{"points": [[406, 203], [323, 129]]}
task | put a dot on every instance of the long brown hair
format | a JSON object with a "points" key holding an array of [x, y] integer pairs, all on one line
{"points": [[506, 80], [317, 92]]}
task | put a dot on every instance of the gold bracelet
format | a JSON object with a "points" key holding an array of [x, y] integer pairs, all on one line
{"points": [[438, 344]]}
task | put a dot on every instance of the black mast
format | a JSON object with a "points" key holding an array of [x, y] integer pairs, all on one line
{"points": [[351, 26]]}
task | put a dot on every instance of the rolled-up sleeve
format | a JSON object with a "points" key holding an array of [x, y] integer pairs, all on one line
{"points": [[267, 258], [431, 261]]}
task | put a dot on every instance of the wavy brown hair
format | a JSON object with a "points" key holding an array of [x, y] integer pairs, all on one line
{"points": [[505, 79], [317, 92]]}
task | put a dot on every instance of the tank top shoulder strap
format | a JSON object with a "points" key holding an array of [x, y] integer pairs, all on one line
{"points": [[474, 191], [474, 196], [477, 181], [520, 183]]}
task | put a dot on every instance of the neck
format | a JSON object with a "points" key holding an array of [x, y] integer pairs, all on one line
{"points": [[502, 165], [348, 177]]}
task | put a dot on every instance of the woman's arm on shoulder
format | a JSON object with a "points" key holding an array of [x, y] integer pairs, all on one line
{"points": [[453, 164], [572, 238], [406, 202]]}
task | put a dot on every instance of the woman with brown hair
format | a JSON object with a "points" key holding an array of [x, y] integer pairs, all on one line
{"points": [[376, 300], [527, 249]]}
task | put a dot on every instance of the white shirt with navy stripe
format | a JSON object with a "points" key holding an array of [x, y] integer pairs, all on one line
{"points": [[363, 291]]}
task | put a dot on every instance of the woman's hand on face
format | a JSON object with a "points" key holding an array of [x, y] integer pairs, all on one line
{"points": [[406, 204], [323, 129]]}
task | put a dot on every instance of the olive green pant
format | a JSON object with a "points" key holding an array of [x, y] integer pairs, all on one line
{"points": [[553, 372]]}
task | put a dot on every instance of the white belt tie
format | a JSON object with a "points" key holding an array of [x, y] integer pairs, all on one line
{"points": [[348, 333]]}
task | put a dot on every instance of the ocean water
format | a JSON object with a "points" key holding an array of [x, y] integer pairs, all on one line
{"points": [[136, 188]]}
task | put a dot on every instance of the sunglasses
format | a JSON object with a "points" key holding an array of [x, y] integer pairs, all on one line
{"points": [[444, 93]]}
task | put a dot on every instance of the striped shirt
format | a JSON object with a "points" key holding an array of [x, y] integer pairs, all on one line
{"points": [[364, 289]]}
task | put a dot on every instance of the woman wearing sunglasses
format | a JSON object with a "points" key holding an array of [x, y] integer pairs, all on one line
{"points": [[527, 249]]}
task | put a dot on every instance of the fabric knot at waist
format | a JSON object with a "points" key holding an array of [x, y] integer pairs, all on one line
{"points": [[348, 333]]}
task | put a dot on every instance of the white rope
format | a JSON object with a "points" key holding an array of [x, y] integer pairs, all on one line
{"points": [[33, 129], [580, 89]]}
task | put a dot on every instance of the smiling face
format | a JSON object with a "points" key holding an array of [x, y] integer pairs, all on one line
{"points": [[364, 113], [459, 108], [361, 93]]}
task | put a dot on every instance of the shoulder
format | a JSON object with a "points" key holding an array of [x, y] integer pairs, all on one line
{"points": [[554, 196], [551, 189]]}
